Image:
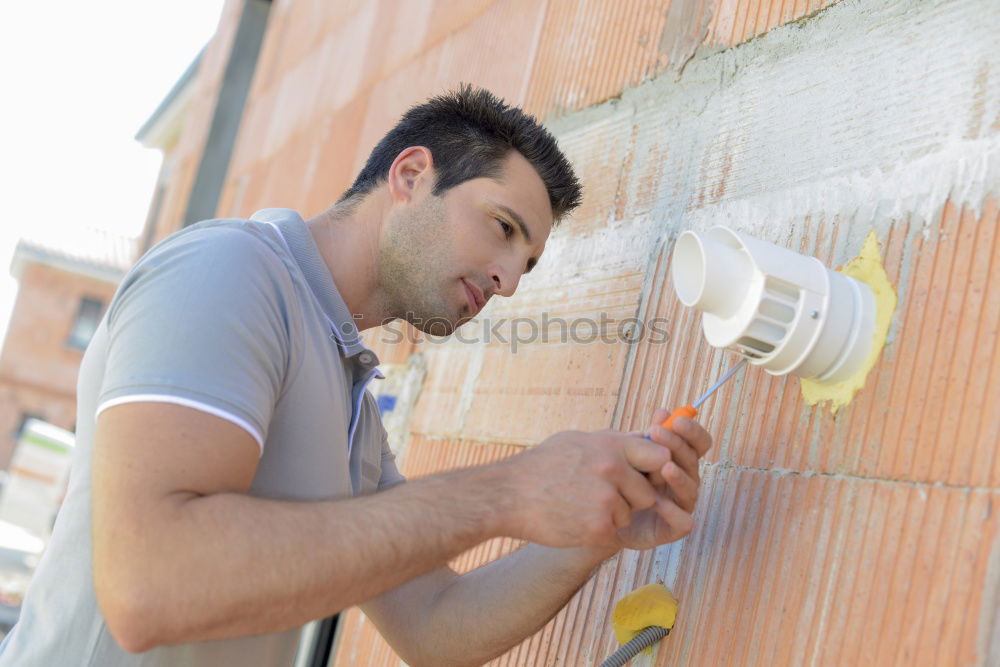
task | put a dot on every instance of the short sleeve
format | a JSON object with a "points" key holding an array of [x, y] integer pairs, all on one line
{"points": [[202, 321], [390, 473]]}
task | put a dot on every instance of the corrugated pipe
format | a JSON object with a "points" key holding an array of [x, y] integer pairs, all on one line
{"points": [[646, 638]]}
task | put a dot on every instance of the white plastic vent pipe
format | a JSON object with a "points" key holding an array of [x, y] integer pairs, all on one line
{"points": [[784, 311]]}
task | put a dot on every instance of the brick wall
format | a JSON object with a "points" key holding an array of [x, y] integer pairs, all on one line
{"points": [[865, 537]]}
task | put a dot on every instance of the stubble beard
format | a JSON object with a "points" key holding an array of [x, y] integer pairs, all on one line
{"points": [[416, 254]]}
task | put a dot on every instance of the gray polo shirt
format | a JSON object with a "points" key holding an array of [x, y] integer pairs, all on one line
{"points": [[239, 319]]}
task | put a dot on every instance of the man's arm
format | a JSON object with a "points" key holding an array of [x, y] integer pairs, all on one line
{"points": [[182, 554], [448, 620], [445, 619]]}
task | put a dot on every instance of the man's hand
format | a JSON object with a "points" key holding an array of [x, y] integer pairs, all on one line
{"points": [[677, 492], [608, 489], [581, 489], [569, 491]]}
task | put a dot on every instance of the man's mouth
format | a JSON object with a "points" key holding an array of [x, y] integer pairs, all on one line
{"points": [[475, 296]]}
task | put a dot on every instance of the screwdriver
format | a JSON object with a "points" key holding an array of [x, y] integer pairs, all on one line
{"points": [[691, 410]]}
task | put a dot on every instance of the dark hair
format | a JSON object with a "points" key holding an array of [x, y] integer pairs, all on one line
{"points": [[469, 132]]}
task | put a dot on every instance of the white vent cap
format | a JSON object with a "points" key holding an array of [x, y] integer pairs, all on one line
{"points": [[784, 311]]}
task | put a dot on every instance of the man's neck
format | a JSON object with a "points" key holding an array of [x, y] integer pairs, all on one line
{"points": [[348, 241]]}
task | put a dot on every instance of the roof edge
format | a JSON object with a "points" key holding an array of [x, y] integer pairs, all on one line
{"points": [[168, 103], [26, 253]]}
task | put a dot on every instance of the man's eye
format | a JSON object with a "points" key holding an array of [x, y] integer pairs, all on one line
{"points": [[507, 228]]}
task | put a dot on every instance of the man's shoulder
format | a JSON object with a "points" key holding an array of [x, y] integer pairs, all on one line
{"points": [[242, 261], [222, 236]]}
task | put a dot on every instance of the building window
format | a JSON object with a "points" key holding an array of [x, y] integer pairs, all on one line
{"points": [[25, 416], [87, 318]]}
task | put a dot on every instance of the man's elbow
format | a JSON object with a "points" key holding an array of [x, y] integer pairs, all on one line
{"points": [[441, 662], [128, 616], [428, 654]]}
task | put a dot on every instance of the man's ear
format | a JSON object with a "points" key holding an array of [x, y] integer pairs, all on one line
{"points": [[412, 169]]}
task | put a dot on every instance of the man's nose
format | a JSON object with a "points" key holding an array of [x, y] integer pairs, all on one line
{"points": [[505, 282]]}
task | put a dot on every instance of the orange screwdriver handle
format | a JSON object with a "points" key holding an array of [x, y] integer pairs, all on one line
{"points": [[684, 411]]}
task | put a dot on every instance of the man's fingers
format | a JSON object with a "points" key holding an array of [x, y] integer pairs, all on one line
{"points": [[637, 490], [645, 455], [621, 513], [661, 416], [694, 433], [687, 428], [681, 451], [679, 523], [682, 486]]}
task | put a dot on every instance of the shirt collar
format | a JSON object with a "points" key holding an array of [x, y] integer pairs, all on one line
{"points": [[301, 245]]}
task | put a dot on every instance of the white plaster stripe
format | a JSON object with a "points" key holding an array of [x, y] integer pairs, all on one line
{"points": [[188, 403]]}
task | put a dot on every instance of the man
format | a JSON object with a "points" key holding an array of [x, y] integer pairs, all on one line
{"points": [[232, 479]]}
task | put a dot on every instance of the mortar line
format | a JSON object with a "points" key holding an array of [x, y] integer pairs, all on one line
{"points": [[785, 472]]}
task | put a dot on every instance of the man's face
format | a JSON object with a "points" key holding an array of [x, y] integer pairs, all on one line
{"points": [[442, 258]]}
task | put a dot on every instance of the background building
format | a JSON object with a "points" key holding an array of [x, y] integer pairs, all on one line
{"points": [[65, 284], [862, 537]]}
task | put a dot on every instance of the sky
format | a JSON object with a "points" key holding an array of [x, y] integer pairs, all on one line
{"points": [[78, 80]]}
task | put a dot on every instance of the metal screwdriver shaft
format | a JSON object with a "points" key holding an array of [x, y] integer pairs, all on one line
{"points": [[691, 410], [722, 380]]}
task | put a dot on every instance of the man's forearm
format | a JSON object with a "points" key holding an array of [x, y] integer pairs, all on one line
{"points": [[230, 565], [484, 613]]}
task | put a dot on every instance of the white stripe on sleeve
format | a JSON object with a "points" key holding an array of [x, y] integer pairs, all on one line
{"points": [[188, 403]]}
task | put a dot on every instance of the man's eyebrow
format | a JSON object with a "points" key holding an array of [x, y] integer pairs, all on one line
{"points": [[516, 218]]}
